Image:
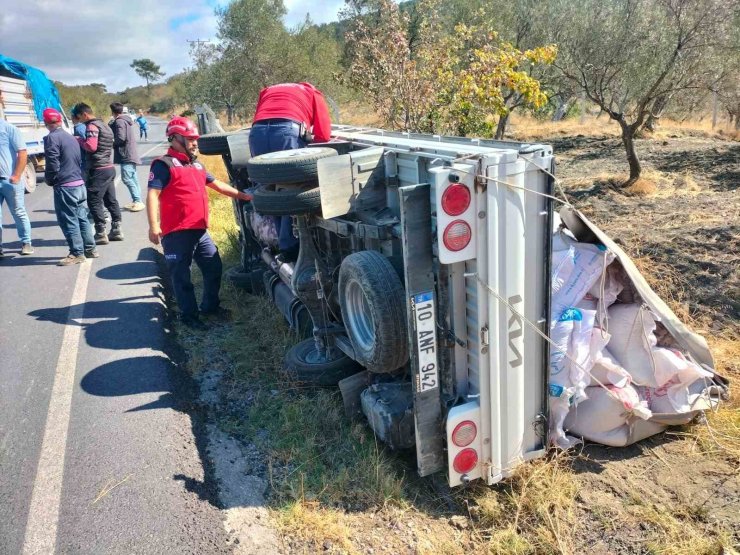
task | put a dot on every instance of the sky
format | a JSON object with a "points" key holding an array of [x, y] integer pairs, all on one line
{"points": [[95, 41]]}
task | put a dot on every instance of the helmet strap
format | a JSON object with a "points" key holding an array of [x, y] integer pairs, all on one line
{"points": [[181, 141]]}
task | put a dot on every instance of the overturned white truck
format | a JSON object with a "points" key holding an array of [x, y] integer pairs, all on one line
{"points": [[426, 286]]}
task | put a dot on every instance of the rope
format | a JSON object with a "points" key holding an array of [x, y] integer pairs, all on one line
{"points": [[543, 335]]}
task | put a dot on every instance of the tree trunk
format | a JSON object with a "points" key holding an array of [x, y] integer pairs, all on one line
{"points": [[628, 138], [656, 111], [229, 114], [562, 109], [501, 126]]}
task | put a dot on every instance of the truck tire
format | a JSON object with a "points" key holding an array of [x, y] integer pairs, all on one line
{"points": [[304, 199], [250, 281], [215, 143], [288, 166], [29, 178], [304, 364], [373, 305]]}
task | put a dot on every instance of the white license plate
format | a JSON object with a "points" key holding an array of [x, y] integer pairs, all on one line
{"points": [[426, 341]]}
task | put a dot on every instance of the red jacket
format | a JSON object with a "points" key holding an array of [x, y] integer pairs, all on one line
{"points": [[300, 102], [183, 203]]}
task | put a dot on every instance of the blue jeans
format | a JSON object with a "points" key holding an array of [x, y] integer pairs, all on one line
{"points": [[131, 181], [70, 205], [272, 137], [181, 248], [13, 195]]}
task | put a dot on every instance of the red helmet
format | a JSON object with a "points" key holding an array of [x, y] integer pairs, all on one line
{"points": [[52, 116], [182, 126]]}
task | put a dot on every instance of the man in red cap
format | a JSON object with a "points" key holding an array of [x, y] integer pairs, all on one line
{"points": [[177, 207], [63, 172]]}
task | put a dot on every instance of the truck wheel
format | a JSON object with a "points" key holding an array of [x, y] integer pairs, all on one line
{"points": [[250, 281], [215, 143], [292, 201], [29, 178], [288, 166], [304, 363], [373, 305]]}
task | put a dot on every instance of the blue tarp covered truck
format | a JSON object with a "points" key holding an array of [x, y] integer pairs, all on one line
{"points": [[25, 92]]}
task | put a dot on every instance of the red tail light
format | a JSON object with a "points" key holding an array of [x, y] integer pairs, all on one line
{"points": [[464, 433], [457, 235], [456, 199], [465, 461]]}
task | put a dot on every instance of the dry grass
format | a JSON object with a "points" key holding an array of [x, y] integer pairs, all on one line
{"points": [[532, 512], [317, 528]]}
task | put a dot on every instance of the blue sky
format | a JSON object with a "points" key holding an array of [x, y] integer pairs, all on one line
{"points": [[99, 43]]}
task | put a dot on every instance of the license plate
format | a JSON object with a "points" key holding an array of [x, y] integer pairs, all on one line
{"points": [[426, 341]]}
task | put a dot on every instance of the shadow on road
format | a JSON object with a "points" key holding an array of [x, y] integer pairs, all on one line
{"points": [[135, 322]]}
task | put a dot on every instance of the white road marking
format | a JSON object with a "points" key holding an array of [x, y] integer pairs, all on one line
{"points": [[43, 515], [153, 148]]}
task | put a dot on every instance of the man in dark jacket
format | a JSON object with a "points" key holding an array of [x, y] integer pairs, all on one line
{"points": [[63, 157], [125, 153], [101, 175]]}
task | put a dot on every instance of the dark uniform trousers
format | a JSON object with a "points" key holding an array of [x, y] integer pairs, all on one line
{"points": [[183, 247]]}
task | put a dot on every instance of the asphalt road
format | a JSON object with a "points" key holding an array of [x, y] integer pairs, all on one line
{"points": [[99, 449]]}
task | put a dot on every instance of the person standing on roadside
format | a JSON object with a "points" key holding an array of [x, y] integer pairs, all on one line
{"points": [[177, 208], [101, 175], [143, 126], [13, 159], [126, 154], [288, 116], [79, 131], [63, 172]]}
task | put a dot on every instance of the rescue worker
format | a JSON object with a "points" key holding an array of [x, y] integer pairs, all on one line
{"points": [[177, 208], [101, 175], [288, 116], [63, 172]]}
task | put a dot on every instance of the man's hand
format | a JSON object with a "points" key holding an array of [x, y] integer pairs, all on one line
{"points": [[154, 234], [244, 196], [14, 179]]}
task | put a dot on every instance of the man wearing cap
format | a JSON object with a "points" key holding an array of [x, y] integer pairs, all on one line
{"points": [[13, 158], [63, 172], [177, 207], [101, 175]]}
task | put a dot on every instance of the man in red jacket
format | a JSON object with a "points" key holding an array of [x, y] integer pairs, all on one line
{"points": [[177, 207], [287, 115]]}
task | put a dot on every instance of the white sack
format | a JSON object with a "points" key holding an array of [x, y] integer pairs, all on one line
{"points": [[606, 370], [674, 374], [604, 419], [575, 272], [608, 287], [559, 407], [580, 353], [632, 330]]}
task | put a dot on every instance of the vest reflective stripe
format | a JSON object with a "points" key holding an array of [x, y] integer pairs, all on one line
{"points": [[183, 203], [103, 156]]}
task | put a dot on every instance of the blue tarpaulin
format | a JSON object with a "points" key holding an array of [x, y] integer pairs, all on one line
{"points": [[45, 94]]}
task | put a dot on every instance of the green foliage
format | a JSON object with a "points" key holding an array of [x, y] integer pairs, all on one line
{"points": [[422, 77], [148, 70], [94, 95]]}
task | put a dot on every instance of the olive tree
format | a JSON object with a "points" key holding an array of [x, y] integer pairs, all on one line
{"points": [[630, 56]]}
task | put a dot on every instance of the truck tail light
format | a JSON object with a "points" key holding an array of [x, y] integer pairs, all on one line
{"points": [[465, 461], [464, 433], [456, 199], [457, 235]]}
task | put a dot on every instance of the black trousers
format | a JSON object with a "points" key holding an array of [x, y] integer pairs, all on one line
{"points": [[101, 194]]}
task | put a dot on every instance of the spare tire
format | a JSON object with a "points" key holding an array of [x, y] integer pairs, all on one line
{"points": [[288, 166], [373, 305], [29, 178], [249, 281], [215, 143], [292, 201], [304, 363]]}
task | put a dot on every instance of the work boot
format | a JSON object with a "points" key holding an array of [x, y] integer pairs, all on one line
{"points": [[92, 253], [100, 237], [115, 232], [222, 314], [193, 322], [26, 249], [71, 259]]}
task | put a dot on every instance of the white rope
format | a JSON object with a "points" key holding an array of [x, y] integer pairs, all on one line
{"points": [[543, 335], [555, 180]]}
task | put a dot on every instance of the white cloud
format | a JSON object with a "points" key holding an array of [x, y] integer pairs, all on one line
{"points": [[85, 41]]}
